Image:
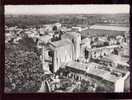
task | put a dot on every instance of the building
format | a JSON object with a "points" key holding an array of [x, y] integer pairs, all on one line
{"points": [[43, 40], [84, 46], [58, 53], [58, 26], [76, 70], [101, 51], [113, 79], [75, 38], [114, 76]]}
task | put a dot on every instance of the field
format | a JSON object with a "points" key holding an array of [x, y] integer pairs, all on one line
{"points": [[75, 19]]}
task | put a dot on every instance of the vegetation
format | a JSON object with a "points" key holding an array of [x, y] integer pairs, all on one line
{"points": [[69, 20], [23, 68]]}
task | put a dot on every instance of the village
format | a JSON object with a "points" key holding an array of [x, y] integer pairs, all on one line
{"points": [[79, 59]]}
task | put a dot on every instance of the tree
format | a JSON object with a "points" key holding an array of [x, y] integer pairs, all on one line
{"points": [[28, 44], [23, 70]]}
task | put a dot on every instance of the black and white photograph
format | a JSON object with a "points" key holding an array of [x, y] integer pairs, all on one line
{"points": [[78, 48]]}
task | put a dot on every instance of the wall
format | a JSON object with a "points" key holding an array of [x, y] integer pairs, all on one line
{"points": [[119, 85], [44, 57], [76, 40], [62, 55]]}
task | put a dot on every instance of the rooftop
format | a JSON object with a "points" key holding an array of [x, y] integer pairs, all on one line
{"points": [[111, 57], [100, 48], [77, 65], [92, 68], [116, 58], [45, 38], [104, 74]]}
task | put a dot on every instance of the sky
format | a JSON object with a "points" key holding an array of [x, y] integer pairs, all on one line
{"points": [[66, 9]]}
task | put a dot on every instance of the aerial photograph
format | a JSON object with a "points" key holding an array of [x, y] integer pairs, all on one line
{"points": [[67, 49]]}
